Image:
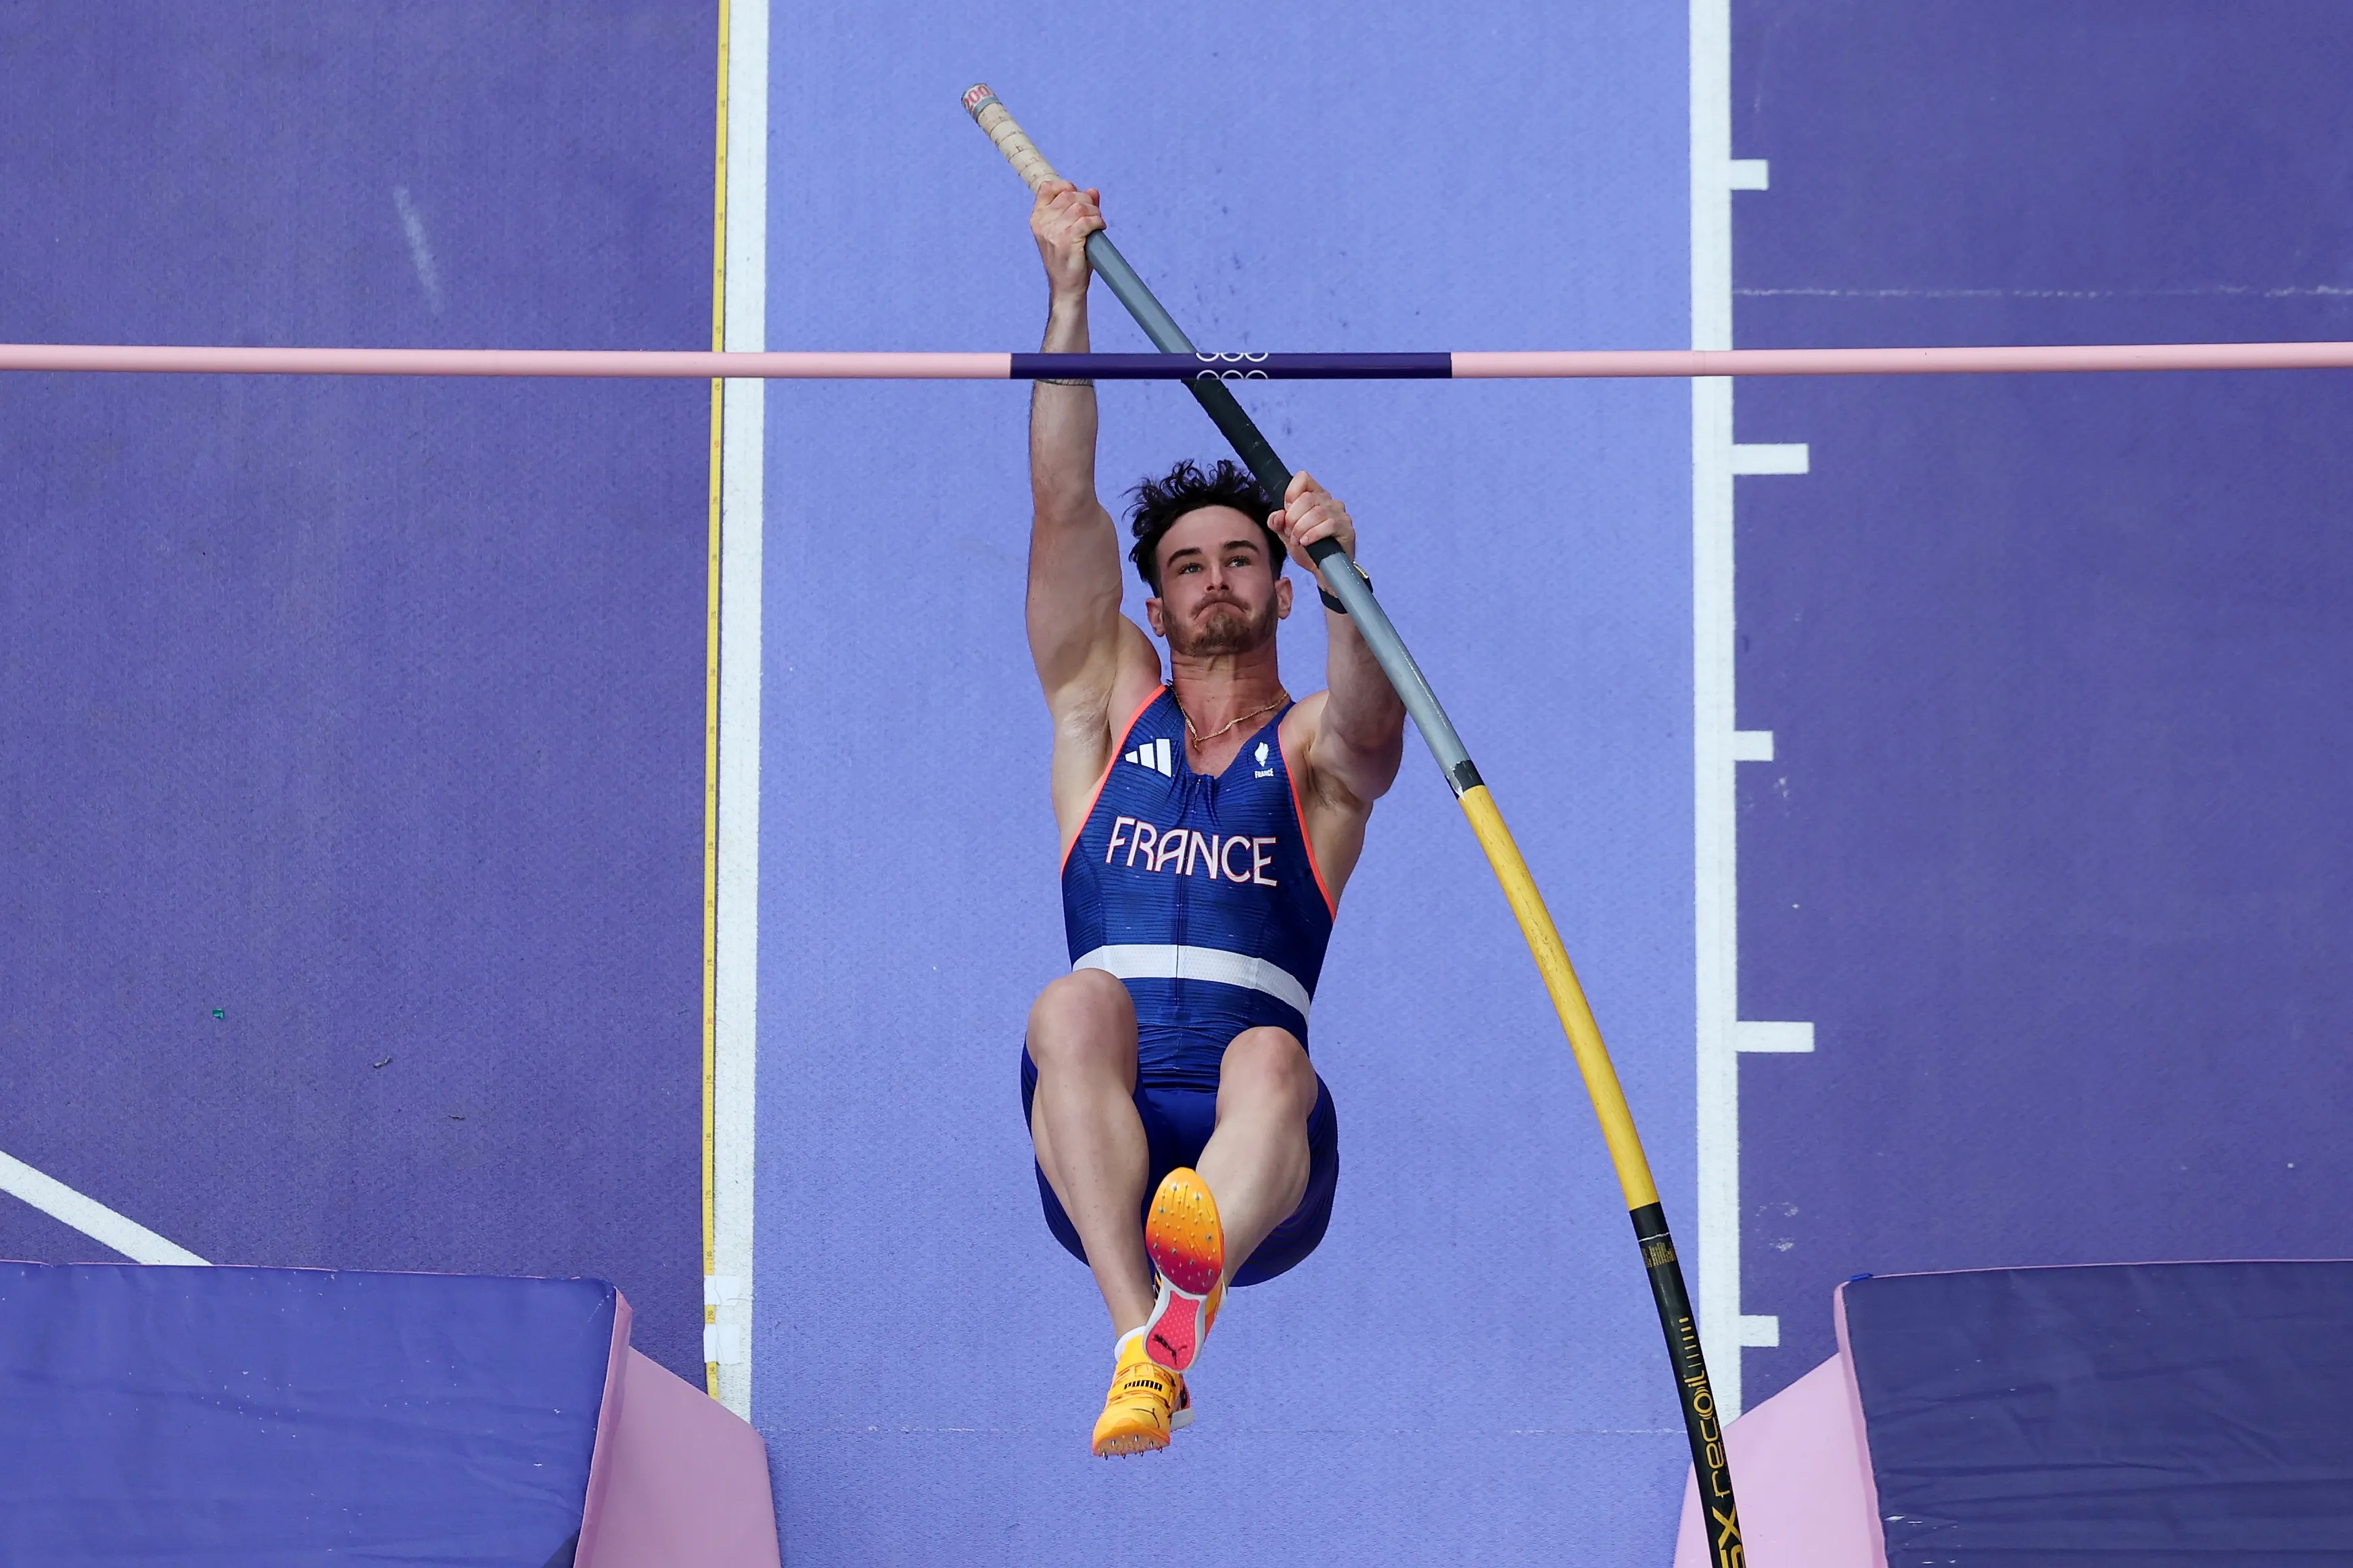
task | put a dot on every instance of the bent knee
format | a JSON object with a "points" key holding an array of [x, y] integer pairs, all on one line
{"points": [[1268, 1064], [1082, 1018]]}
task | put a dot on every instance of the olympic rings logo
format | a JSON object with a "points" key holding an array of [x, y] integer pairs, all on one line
{"points": [[1230, 358]]}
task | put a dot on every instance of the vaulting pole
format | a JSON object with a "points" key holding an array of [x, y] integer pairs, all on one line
{"points": [[1641, 1193]]}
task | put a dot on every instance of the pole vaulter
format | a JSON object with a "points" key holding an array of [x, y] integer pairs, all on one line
{"points": [[1355, 591]]}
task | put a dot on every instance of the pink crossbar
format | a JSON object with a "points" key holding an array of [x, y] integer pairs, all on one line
{"points": [[845, 366], [2069, 357], [658, 364]]}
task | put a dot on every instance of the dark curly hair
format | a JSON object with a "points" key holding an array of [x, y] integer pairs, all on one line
{"points": [[1185, 488]]}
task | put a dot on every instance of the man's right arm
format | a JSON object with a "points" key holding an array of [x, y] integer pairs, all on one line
{"points": [[1078, 637]]}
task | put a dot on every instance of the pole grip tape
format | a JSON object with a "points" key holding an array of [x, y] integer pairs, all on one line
{"points": [[1007, 132], [1702, 1422]]}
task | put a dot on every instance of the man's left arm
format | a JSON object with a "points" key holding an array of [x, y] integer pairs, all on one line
{"points": [[1360, 739]]}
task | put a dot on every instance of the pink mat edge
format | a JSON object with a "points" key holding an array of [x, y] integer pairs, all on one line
{"points": [[608, 1423], [1816, 1406], [690, 1482]]}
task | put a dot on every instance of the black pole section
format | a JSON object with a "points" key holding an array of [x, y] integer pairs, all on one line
{"points": [[1720, 1519]]}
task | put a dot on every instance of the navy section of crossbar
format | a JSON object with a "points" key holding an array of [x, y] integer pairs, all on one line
{"points": [[269, 1416], [2159, 1415], [1235, 367]]}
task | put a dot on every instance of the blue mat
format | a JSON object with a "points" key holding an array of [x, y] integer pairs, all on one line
{"points": [[2163, 1415], [255, 1416]]}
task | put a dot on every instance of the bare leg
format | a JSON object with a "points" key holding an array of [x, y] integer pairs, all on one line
{"points": [[1090, 1141], [1256, 1161]]}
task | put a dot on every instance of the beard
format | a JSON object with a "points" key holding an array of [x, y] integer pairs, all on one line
{"points": [[1228, 628]]}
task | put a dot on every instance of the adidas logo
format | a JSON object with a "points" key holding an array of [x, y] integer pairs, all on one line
{"points": [[1153, 754]]}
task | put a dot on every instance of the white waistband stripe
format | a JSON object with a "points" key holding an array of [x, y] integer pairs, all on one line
{"points": [[1169, 961]]}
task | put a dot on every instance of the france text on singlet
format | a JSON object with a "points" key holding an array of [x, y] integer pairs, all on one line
{"points": [[1201, 892]]}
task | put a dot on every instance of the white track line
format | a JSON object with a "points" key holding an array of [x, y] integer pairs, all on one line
{"points": [[1771, 457], [1716, 895], [1716, 744], [1777, 1039], [741, 477], [1714, 176], [87, 1215]]}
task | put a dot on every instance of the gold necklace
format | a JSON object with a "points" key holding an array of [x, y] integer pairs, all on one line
{"points": [[1200, 740]]}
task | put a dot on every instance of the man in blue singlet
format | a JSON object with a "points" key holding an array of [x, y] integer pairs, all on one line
{"points": [[1208, 824]]}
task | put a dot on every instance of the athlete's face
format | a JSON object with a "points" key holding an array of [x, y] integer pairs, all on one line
{"points": [[1220, 590]]}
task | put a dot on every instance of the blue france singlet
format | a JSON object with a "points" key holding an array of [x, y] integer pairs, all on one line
{"points": [[1201, 892]]}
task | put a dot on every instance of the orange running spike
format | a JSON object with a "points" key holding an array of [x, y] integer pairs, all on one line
{"points": [[1187, 1244], [1140, 1411]]}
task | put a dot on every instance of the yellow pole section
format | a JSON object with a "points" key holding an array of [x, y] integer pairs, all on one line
{"points": [[710, 716], [1567, 997]]}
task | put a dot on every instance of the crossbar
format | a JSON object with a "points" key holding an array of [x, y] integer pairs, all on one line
{"points": [[1537, 364]]}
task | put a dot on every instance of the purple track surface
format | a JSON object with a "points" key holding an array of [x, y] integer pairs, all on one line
{"points": [[2054, 850], [351, 823]]}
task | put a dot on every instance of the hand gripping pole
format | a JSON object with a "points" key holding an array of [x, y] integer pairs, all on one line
{"points": [[1642, 1194]]}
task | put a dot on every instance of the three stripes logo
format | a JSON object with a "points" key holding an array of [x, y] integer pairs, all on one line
{"points": [[1153, 754]]}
